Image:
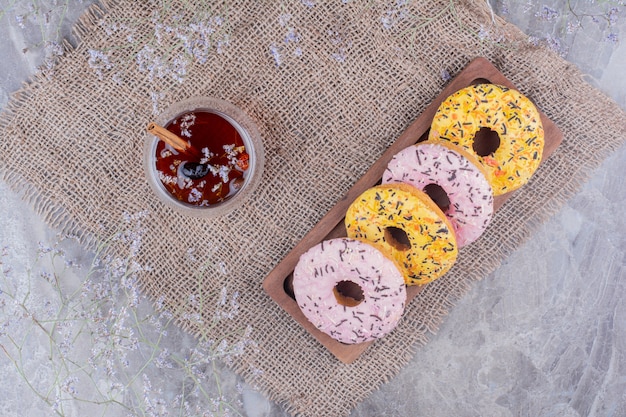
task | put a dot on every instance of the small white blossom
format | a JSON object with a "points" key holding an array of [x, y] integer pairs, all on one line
{"points": [[445, 75], [194, 196], [19, 19], [284, 19], [292, 36], [99, 61], [612, 16], [395, 15], [156, 97], [547, 14], [275, 52]]}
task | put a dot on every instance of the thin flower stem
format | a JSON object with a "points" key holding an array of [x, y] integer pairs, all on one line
{"points": [[4, 10], [189, 372], [19, 367]]}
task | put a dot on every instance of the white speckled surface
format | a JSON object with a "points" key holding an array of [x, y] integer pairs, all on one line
{"points": [[545, 335]]}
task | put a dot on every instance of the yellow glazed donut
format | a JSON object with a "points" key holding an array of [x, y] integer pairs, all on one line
{"points": [[482, 109], [402, 220]]}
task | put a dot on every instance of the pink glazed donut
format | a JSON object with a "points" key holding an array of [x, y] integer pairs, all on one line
{"points": [[449, 167], [349, 290]]}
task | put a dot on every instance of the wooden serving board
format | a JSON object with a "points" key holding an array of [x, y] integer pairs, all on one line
{"points": [[278, 283]]}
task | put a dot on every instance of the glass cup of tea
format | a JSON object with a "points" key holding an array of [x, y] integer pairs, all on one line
{"points": [[203, 157]]}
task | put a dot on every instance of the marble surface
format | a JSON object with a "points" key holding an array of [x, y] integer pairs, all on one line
{"points": [[544, 335]]}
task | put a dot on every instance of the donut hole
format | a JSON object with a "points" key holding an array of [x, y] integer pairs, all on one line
{"points": [[438, 195], [486, 141], [478, 81], [397, 238], [424, 137], [348, 293], [288, 286]]}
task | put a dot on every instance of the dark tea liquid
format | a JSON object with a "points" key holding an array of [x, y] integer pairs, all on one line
{"points": [[215, 144]]}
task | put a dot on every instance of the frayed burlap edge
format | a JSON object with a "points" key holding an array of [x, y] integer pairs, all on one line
{"points": [[51, 212]]}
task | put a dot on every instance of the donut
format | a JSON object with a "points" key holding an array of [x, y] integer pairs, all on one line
{"points": [[470, 117], [444, 168], [403, 221], [349, 290]]}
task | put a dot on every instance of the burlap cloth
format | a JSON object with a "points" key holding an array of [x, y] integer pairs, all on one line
{"points": [[72, 144]]}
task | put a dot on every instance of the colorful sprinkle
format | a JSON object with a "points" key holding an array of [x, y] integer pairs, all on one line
{"points": [[459, 176], [505, 111], [423, 242], [317, 284]]}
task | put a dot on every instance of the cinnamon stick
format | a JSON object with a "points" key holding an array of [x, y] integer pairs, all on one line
{"points": [[168, 137]]}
